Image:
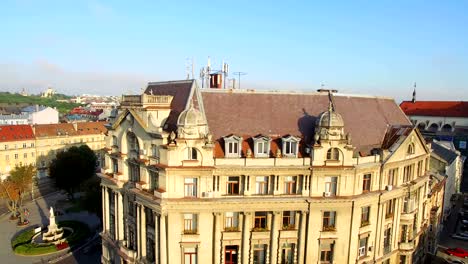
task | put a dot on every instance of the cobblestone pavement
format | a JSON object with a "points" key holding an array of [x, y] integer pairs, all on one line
{"points": [[39, 214]]}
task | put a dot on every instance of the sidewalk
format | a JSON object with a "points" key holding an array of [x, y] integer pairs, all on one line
{"points": [[39, 214]]}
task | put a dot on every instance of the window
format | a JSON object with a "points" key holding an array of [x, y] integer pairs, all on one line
{"points": [[155, 152], [262, 146], [153, 180], [131, 208], [389, 208], [32, 154], [149, 217], [231, 221], [328, 220], [131, 239], [191, 154], [326, 253], [290, 146], [392, 175], [387, 240], [149, 249], [410, 149], [260, 223], [6, 147], [230, 254], [461, 145], [190, 187], [363, 246], [134, 172], [333, 154], [25, 155], [190, 255], [132, 143], [290, 185], [7, 157], [32, 145], [366, 183], [402, 259], [232, 146], [365, 211], [404, 233], [408, 173], [330, 186], [115, 166], [232, 187], [16, 156], [259, 256], [420, 168], [289, 220], [261, 185], [190, 223], [24, 145], [287, 253]]}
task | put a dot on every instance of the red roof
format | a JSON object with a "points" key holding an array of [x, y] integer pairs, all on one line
{"points": [[435, 108], [16, 133]]}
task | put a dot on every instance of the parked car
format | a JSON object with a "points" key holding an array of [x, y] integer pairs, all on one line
{"points": [[454, 261], [459, 252], [461, 237]]}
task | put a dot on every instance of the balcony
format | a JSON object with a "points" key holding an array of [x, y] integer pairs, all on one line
{"points": [[146, 100], [127, 251], [409, 245], [329, 229]]}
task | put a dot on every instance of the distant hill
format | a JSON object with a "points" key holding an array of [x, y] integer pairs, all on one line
{"points": [[9, 99]]}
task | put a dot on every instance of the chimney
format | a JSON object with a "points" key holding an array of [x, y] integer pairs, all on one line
{"points": [[216, 80]]}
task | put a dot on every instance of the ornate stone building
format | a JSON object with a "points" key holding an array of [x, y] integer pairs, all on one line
{"points": [[230, 176]]}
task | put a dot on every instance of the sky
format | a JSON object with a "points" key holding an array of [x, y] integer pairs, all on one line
{"points": [[360, 47]]}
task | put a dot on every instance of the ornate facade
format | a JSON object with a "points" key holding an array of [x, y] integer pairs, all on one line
{"points": [[222, 176]]}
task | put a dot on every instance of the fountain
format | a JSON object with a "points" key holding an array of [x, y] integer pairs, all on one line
{"points": [[54, 233]]}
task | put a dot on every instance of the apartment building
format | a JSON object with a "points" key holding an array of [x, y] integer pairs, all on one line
{"points": [[230, 176], [39, 144]]}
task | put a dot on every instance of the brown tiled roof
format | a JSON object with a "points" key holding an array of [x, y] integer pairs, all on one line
{"points": [[278, 114], [89, 128], [435, 108], [52, 130], [16, 133], [180, 90]]}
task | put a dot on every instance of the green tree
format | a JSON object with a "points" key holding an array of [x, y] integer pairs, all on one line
{"points": [[71, 168], [15, 188], [92, 199]]}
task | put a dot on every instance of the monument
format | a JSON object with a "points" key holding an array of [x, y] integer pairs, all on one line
{"points": [[53, 232]]}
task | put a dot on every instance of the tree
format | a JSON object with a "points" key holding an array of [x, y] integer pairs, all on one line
{"points": [[15, 187], [71, 168], [92, 200]]}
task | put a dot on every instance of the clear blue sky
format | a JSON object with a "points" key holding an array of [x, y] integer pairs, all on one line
{"points": [[111, 47]]}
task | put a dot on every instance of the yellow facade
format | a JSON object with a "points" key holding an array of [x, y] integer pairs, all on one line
{"points": [[166, 199]]}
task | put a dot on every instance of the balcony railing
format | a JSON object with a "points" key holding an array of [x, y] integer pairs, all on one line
{"points": [[329, 228], [146, 100]]}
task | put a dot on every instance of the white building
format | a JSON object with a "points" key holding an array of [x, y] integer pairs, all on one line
{"points": [[32, 115]]}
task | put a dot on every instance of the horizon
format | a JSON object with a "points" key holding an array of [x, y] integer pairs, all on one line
{"points": [[112, 48]]}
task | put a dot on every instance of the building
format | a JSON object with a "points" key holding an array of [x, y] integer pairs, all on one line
{"points": [[31, 115], [443, 120], [232, 176], [447, 161], [17, 147], [48, 93], [38, 145]]}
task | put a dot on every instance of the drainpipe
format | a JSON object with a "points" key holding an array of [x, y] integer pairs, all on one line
{"points": [[377, 226], [350, 232]]}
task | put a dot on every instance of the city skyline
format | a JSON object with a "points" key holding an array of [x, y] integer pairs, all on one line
{"points": [[113, 48]]}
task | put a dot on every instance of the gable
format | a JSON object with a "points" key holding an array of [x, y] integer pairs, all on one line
{"points": [[399, 150]]}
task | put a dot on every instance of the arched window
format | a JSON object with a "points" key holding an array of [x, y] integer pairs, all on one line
{"points": [[410, 148], [333, 154], [447, 128], [421, 126], [114, 141], [132, 142], [191, 154], [434, 127]]}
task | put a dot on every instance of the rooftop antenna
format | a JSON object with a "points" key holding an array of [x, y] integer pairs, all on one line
{"points": [[239, 74], [189, 68], [414, 93]]}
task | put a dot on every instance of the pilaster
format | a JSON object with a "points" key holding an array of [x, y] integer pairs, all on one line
{"points": [[246, 237]]}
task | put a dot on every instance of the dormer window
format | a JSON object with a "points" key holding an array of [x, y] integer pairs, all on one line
{"points": [[333, 154], [232, 146], [290, 146], [261, 146], [410, 149]]}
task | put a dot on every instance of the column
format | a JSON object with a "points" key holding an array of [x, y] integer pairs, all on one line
{"points": [[143, 231], [217, 217], [163, 239], [105, 217], [156, 238], [116, 216], [103, 192], [245, 237], [276, 220], [120, 217], [301, 239], [138, 233]]}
